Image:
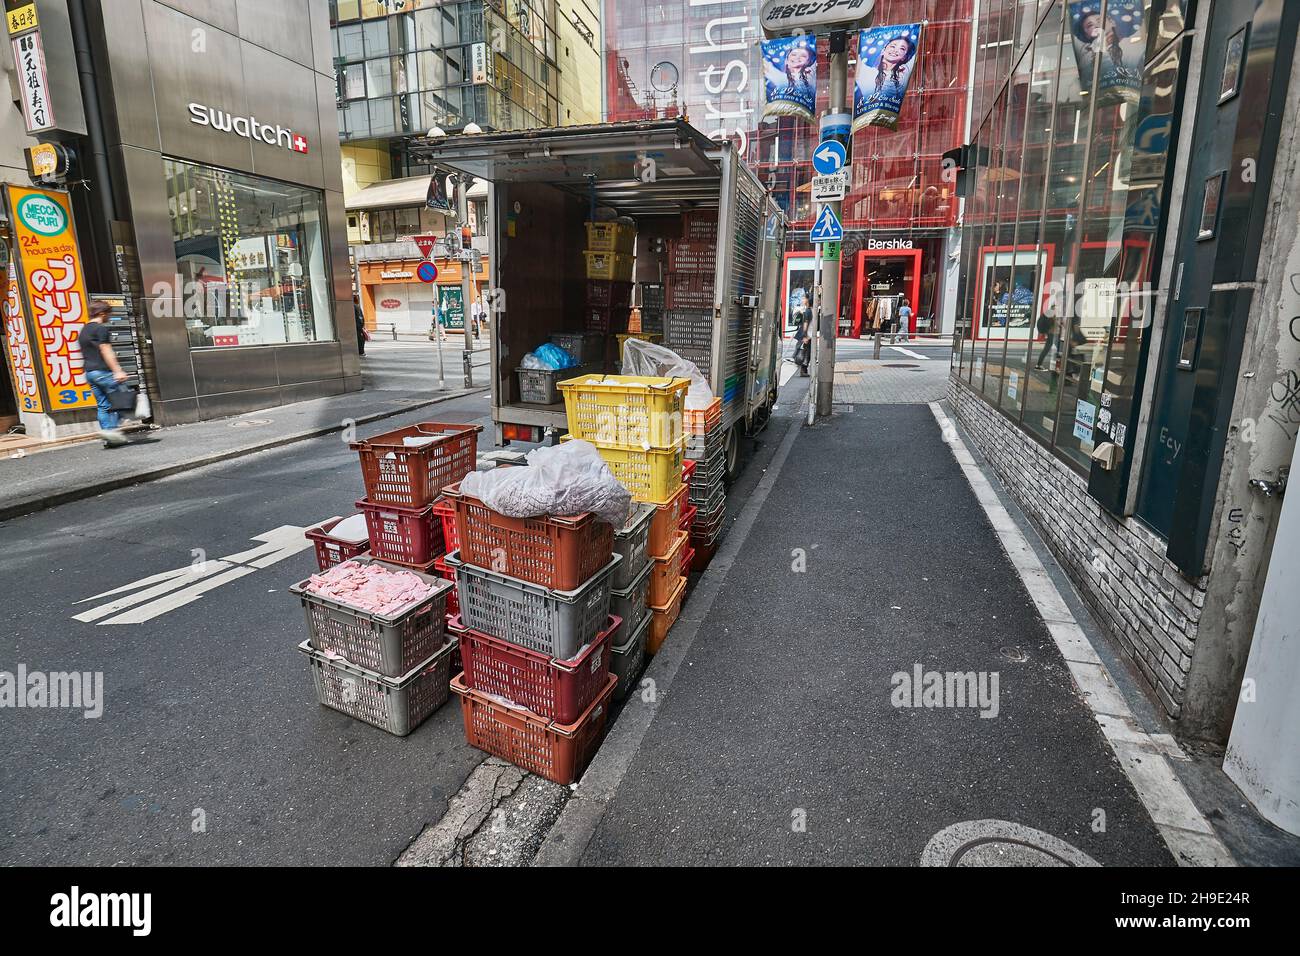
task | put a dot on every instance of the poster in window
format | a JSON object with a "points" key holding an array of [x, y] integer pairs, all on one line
{"points": [[1011, 284], [1210, 206], [1234, 58], [800, 277], [886, 60], [790, 75], [1117, 40]]}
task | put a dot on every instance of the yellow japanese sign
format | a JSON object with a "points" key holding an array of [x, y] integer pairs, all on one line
{"points": [[53, 288], [21, 17], [18, 348]]}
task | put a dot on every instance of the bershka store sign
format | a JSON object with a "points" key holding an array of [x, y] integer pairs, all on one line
{"points": [[247, 127]]}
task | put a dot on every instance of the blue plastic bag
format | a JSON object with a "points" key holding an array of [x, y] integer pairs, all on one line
{"points": [[552, 356]]}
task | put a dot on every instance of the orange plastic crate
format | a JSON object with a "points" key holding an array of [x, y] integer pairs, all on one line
{"points": [[558, 752], [666, 571], [698, 421], [664, 525], [663, 617], [561, 553]]}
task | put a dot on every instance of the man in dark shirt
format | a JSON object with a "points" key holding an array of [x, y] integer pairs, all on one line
{"points": [[102, 370]]}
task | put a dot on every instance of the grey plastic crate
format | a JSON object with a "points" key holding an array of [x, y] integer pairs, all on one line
{"points": [[688, 328], [587, 347], [627, 660], [708, 479], [388, 644], [629, 603], [537, 385], [630, 542], [395, 704], [555, 623], [704, 447]]}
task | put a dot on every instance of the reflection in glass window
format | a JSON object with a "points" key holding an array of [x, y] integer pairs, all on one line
{"points": [[250, 257]]}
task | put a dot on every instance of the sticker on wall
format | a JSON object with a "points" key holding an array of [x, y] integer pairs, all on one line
{"points": [[1085, 417], [1118, 40], [790, 73], [886, 59]]}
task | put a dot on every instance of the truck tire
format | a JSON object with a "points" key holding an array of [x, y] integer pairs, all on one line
{"points": [[731, 452]]}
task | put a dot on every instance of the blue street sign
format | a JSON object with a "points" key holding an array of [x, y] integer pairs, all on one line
{"points": [[829, 157], [827, 228], [772, 223], [426, 271]]}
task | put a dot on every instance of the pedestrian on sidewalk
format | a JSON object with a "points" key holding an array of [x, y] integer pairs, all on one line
{"points": [[904, 321], [802, 346], [102, 370], [362, 335], [1048, 326]]}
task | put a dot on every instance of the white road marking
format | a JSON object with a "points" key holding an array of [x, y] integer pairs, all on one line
{"points": [[788, 371], [908, 352], [1144, 757], [181, 586]]}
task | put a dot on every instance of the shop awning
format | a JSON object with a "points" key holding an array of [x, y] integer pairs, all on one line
{"points": [[391, 194]]}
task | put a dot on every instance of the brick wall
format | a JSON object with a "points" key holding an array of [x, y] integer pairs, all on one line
{"points": [[1148, 608]]}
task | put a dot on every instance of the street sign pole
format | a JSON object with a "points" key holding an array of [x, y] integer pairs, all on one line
{"points": [[828, 316], [437, 330], [466, 261]]}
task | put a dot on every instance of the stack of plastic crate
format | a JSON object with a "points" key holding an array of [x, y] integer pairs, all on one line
{"points": [[707, 466], [636, 423], [535, 634], [609, 275], [651, 305]]}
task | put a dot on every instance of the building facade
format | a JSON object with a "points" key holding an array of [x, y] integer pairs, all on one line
{"points": [[404, 67], [702, 60], [1128, 363], [208, 197]]}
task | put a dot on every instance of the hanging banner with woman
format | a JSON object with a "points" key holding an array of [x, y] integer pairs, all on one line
{"points": [[886, 59], [1118, 40], [790, 74]]}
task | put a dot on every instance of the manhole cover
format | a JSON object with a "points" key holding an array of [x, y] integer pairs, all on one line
{"points": [[899, 365], [1000, 843], [249, 422]]}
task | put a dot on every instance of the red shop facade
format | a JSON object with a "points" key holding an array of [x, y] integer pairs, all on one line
{"points": [[702, 60]]}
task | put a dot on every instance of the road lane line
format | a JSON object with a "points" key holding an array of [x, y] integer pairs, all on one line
{"points": [[1144, 757], [908, 352]]}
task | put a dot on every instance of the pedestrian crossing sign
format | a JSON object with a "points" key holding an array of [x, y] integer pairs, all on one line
{"points": [[827, 228]]}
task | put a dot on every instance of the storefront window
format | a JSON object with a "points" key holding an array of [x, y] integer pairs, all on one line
{"points": [[1027, 353], [250, 257], [995, 293]]}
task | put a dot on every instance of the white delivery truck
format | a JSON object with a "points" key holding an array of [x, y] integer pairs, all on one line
{"points": [[669, 182]]}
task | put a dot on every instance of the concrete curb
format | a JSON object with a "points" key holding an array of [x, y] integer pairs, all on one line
{"points": [[32, 505]]}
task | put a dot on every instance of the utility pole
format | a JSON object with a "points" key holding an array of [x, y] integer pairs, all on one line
{"points": [[464, 181], [829, 314]]}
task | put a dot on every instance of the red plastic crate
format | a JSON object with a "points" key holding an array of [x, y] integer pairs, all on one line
{"points": [[688, 470], [447, 515], [560, 690], [441, 569], [331, 551], [407, 536], [560, 553], [608, 292], [412, 475], [548, 748], [601, 318], [688, 517]]}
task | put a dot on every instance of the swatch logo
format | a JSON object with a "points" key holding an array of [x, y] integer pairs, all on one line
{"points": [[247, 127]]}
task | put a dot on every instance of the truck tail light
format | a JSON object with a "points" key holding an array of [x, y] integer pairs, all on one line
{"points": [[530, 433]]}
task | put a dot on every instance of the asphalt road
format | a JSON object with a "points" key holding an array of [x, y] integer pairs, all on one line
{"points": [[209, 716]]}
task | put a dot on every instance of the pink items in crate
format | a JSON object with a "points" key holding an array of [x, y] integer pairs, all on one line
{"points": [[370, 587]]}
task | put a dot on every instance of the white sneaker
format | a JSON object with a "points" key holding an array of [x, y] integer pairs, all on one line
{"points": [[112, 437]]}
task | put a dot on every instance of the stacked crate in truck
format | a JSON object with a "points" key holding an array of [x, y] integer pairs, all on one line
{"points": [[688, 289]]}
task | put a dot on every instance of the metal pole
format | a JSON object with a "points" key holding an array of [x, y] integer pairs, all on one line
{"points": [[828, 318], [466, 263], [814, 349], [437, 330]]}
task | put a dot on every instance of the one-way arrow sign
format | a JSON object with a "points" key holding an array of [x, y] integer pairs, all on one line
{"points": [[827, 228]]}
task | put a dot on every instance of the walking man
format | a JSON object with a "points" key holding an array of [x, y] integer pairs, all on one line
{"points": [[102, 371]]}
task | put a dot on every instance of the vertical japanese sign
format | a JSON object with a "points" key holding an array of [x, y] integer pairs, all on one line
{"points": [[29, 62], [48, 269], [18, 346]]}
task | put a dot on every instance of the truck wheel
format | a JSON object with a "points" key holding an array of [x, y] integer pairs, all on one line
{"points": [[731, 451]]}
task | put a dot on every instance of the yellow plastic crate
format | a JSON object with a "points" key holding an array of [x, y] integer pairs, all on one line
{"points": [[616, 266], [643, 336], [630, 411], [654, 476], [610, 237]]}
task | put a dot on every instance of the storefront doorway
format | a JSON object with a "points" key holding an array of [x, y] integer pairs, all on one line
{"points": [[883, 280]]}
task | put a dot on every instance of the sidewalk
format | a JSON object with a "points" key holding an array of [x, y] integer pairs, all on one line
{"points": [[83, 470], [784, 738]]}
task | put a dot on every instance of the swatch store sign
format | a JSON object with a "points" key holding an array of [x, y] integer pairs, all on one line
{"points": [[248, 127]]}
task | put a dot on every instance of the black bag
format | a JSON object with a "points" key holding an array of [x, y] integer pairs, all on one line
{"points": [[1044, 324], [122, 399]]}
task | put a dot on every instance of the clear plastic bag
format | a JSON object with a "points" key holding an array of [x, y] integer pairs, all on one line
{"points": [[566, 479], [645, 358]]}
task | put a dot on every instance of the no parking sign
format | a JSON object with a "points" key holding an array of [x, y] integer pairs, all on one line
{"points": [[427, 272]]}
